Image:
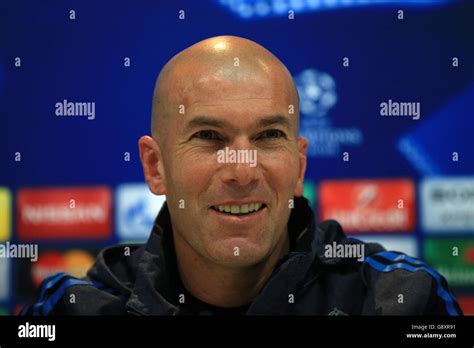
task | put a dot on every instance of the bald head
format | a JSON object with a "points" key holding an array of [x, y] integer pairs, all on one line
{"points": [[218, 66]]}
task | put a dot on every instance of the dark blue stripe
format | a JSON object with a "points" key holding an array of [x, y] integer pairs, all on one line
{"points": [[48, 283], [448, 299]]}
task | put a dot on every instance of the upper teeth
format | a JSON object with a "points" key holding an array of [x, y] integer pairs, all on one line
{"points": [[239, 209]]}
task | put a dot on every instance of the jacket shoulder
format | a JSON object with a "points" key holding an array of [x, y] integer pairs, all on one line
{"points": [[63, 294], [404, 285]]}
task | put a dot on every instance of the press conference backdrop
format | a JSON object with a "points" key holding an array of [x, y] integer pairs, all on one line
{"points": [[387, 103]]}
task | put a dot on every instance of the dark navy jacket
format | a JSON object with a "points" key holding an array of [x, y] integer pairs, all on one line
{"points": [[143, 279]]}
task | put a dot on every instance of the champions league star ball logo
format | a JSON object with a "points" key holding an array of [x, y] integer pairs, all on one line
{"points": [[317, 92]]}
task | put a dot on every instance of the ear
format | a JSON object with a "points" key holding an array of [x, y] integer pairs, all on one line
{"points": [[152, 162], [302, 147]]}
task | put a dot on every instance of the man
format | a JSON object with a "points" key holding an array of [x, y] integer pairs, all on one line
{"points": [[235, 235]]}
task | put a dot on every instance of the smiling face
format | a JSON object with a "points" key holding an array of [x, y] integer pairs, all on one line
{"points": [[229, 214]]}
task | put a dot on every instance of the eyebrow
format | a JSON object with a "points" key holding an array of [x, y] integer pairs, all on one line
{"points": [[274, 120], [212, 122], [205, 121]]}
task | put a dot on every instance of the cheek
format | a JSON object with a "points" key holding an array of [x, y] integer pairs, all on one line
{"points": [[282, 172], [188, 173]]}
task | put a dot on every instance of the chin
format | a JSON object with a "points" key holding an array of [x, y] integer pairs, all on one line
{"points": [[249, 253]]}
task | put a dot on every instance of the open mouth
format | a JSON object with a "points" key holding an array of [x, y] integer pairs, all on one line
{"points": [[243, 209]]}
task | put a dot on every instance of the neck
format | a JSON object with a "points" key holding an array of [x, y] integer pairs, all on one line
{"points": [[222, 286]]}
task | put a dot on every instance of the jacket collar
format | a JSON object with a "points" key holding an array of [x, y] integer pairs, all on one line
{"points": [[154, 291]]}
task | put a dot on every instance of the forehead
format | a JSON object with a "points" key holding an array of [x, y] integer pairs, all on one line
{"points": [[239, 95], [224, 89]]}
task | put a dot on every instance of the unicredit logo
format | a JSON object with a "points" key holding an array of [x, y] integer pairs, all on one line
{"points": [[64, 213], [369, 205]]}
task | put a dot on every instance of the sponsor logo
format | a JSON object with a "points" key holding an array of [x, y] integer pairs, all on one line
{"points": [[37, 331], [447, 205], [5, 214], [453, 258], [78, 262], [136, 210], [64, 213], [369, 205], [317, 91], [73, 262]]}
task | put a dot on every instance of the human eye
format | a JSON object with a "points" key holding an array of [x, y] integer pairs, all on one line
{"points": [[271, 134], [207, 135]]}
